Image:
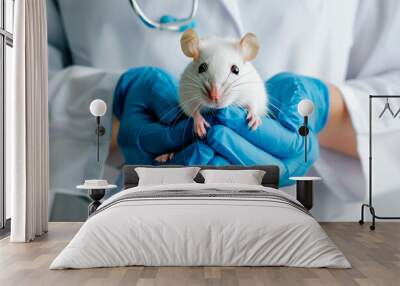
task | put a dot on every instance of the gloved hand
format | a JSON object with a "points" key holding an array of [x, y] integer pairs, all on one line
{"points": [[275, 142], [271, 143], [286, 90], [152, 123]]}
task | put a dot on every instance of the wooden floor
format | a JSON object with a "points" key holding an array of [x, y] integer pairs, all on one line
{"points": [[375, 257]]}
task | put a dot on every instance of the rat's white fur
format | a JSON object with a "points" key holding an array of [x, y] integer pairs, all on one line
{"points": [[245, 89]]}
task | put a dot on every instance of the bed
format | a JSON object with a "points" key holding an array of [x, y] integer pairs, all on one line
{"points": [[198, 224]]}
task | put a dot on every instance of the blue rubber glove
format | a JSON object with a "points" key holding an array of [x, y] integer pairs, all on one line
{"points": [[275, 142], [270, 144], [152, 123], [286, 90]]}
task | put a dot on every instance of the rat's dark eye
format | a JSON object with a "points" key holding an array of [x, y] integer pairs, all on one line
{"points": [[235, 69], [203, 68]]}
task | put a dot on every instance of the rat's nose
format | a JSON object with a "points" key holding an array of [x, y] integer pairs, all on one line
{"points": [[214, 94]]}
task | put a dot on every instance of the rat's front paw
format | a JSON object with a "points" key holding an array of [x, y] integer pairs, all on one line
{"points": [[200, 125], [253, 120], [164, 157]]}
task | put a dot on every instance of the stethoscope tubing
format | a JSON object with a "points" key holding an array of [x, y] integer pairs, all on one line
{"points": [[173, 26]]}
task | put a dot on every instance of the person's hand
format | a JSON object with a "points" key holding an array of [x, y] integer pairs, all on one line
{"points": [[271, 143], [152, 123], [286, 90], [146, 104], [276, 141]]}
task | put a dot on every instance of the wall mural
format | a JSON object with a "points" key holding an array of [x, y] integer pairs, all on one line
{"points": [[197, 88]]}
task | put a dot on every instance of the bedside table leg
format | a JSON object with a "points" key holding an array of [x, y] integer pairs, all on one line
{"points": [[304, 193], [96, 195], [93, 207]]}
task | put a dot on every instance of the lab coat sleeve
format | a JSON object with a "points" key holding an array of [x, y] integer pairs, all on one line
{"points": [[374, 69], [72, 128]]}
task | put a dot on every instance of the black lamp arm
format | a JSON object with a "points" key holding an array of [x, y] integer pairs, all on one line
{"points": [[303, 131], [100, 131]]}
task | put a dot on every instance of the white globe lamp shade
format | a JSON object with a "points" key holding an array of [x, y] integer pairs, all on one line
{"points": [[305, 107], [98, 107]]}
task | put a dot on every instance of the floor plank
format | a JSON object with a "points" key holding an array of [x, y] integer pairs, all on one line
{"points": [[375, 257]]}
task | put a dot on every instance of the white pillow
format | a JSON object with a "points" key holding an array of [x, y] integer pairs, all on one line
{"points": [[166, 176], [248, 177]]}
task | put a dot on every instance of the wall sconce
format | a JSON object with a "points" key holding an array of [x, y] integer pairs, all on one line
{"points": [[98, 108], [305, 108]]}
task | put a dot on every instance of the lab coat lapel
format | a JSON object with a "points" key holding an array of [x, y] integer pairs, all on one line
{"points": [[232, 8]]}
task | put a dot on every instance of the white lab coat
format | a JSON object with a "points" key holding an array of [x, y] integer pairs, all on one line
{"points": [[353, 44]]}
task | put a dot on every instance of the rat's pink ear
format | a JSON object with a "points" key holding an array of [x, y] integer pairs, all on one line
{"points": [[249, 47], [190, 44]]}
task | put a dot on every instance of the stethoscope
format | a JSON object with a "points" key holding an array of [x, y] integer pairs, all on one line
{"points": [[167, 23]]}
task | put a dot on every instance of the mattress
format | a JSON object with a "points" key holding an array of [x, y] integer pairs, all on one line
{"points": [[201, 225]]}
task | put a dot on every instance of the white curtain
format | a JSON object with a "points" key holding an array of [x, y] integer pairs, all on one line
{"points": [[27, 171]]}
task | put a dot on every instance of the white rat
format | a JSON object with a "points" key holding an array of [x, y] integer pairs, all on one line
{"points": [[220, 75]]}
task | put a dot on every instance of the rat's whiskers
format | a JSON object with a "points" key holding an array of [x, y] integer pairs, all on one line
{"points": [[240, 77], [246, 83]]}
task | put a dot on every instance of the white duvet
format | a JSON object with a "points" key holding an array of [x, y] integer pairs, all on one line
{"points": [[200, 231]]}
